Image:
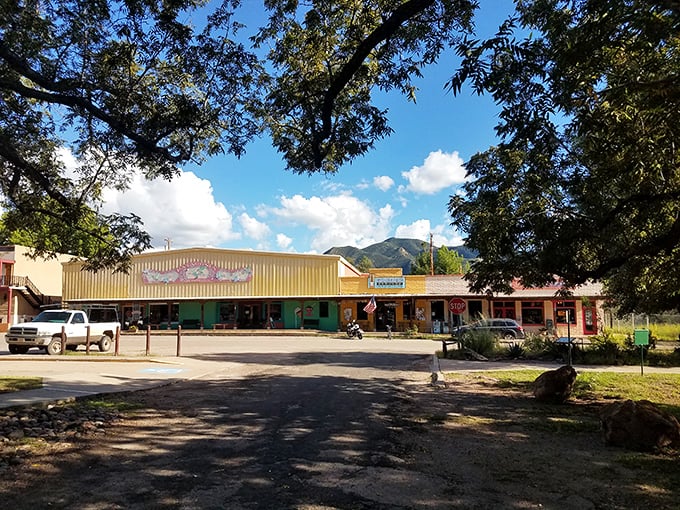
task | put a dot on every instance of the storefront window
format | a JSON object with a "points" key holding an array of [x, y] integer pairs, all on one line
{"points": [[323, 309], [504, 309], [227, 312], [163, 312], [564, 310], [474, 309], [361, 315], [407, 310], [275, 311], [532, 312]]}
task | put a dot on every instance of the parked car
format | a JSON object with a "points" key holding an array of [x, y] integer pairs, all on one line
{"points": [[508, 329]]}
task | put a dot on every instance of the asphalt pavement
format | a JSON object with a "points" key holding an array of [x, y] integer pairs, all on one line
{"points": [[78, 374]]}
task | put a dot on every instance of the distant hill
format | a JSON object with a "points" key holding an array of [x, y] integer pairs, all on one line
{"points": [[393, 252]]}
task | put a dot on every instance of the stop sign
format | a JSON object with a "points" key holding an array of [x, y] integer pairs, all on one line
{"points": [[457, 306]]}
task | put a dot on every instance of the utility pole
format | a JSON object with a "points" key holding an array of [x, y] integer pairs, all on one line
{"points": [[431, 256], [168, 243]]}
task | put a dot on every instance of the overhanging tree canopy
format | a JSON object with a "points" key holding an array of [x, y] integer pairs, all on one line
{"points": [[135, 84], [586, 182], [120, 86], [583, 186]]}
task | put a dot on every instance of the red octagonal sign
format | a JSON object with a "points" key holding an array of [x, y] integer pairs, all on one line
{"points": [[457, 306]]}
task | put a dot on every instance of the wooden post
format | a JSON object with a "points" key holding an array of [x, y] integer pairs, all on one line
{"points": [[63, 339], [87, 339], [179, 340], [117, 349], [148, 340]]}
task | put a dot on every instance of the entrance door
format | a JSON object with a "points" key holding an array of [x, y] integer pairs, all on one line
{"points": [[385, 316], [249, 316], [589, 320]]}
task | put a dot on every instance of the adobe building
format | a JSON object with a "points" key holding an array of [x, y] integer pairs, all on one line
{"points": [[26, 284], [218, 289]]}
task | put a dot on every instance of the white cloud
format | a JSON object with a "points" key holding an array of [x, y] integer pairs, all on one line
{"points": [[283, 241], [442, 235], [253, 228], [439, 171], [336, 220], [419, 229], [183, 210], [383, 182]]}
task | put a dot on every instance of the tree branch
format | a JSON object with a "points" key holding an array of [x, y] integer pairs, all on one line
{"points": [[54, 92], [404, 12]]}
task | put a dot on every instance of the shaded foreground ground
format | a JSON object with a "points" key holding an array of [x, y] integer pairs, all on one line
{"points": [[312, 435]]}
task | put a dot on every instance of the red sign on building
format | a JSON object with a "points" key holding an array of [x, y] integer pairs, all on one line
{"points": [[457, 306]]}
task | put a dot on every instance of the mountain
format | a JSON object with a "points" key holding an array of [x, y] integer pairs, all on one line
{"points": [[393, 252]]}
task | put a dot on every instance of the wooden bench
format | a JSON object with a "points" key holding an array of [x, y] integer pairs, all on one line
{"points": [[191, 324], [310, 323], [445, 344]]}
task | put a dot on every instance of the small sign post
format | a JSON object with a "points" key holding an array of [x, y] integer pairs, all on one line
{"points": [[641, 338]]}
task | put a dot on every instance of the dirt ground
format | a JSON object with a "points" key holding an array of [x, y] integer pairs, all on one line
{"points": [[289, 440]]}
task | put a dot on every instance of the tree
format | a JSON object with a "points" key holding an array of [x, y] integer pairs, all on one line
{"points": [[444, 261], [328, 60], [116, 85], [119, 85], [449, 262], [421, 264], [47, 235], [365, 264], [585, 184]]}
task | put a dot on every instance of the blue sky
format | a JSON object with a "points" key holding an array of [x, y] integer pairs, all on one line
{"points": [[400, 189]]}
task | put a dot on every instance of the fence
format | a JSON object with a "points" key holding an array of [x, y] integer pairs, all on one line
{"points": [[664, 326]]}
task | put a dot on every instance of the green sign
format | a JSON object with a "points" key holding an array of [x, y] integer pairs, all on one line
{"points": [[641, 337]]}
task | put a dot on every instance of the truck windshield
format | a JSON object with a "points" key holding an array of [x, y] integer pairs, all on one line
{"points": [[59, 317]]}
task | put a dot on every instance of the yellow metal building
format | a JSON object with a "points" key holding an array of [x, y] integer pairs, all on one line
{"points": [[225, 289], [217, 288]]}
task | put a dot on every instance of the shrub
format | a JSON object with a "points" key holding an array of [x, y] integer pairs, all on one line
{"points": [[605, 348], [411, 331], [482, 342], [516, 351], [536, 344]]}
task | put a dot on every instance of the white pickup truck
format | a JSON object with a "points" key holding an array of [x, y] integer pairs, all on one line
{"points": [[45, 331]]}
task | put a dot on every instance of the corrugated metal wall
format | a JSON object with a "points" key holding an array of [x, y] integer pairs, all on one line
{"points": [[273, 275]]}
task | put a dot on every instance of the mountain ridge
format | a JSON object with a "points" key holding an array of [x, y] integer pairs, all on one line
{"points": [[393, 252]]}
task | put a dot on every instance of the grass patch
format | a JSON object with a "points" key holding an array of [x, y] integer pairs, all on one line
{"points": [[662, 389], [110, 404], [10, 384]]}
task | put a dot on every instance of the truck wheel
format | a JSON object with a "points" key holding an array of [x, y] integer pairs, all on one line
{"points": [[104, 344], [54, 347], [18, 349]]}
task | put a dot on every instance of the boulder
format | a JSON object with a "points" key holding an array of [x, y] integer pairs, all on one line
{"points": [[554, 386], [638, 425]]}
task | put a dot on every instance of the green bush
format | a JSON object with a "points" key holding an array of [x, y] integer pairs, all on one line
{"points": [[412, 331], [482, 342], [605, 349], [535, 345], [516, 351], [539, 346]]}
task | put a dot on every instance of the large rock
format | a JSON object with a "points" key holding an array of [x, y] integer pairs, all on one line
{"points": [[554, 386], [638, 425]]}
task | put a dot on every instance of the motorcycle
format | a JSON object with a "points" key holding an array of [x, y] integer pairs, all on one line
{"points": [[354, 330]]}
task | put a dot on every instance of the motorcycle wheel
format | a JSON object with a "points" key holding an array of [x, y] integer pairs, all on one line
{"points": [[360, 336]]}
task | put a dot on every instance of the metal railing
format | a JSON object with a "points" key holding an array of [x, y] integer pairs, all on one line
{"points": [[24, 283]]}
